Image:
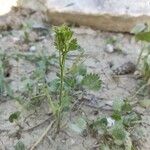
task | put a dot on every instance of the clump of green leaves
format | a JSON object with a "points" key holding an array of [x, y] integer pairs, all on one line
{"points": [[113, 132]]}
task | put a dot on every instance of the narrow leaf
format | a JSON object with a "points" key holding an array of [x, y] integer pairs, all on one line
{"points": [[143, 36]]}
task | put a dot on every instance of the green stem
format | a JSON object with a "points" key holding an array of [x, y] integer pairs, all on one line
{"points": [[140, 55], [62, 65]]}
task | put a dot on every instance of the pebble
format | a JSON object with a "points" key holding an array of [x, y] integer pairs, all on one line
{"points": [[109, 48], [126, 68], [137, 74], [32, 49]]}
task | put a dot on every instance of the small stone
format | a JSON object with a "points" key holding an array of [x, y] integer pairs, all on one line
{"points": [[15, 39], [24, 48], [110, 121], [137, 73], [33, 37], [109, 48], [32, 49], [126, 68], [110, 64]]}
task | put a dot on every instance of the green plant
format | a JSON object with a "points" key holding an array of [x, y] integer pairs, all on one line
{"points": [[113, 132], [26, 32], [4, 71], [20, 146], [142, 33], [64, 43]]}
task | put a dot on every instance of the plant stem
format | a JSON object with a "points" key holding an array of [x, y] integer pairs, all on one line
{"points": [[140, 55], [62, 64]]}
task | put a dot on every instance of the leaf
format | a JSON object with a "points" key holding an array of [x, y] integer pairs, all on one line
{"points": [[54, 85], [126, 107], [145, 103], [14, 116], [19, 146], [116, 115], [79, 69], [100, 123], [79, 125], [70, 81], [75, 128], [104, 147], [72, 45], [131, 119], [139, 28], [144, 36], [64, 41], [128, 142], [118, 133], [117, 105], [92, 82], [66, 101], [82, 70]]}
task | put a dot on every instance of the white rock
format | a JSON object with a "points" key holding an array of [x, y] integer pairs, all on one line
{"points": [[110, 121], [32, 49], [109, 48]]}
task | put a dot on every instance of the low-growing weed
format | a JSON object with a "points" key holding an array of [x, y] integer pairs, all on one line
{"points": [[142, 33], [112, 132]]}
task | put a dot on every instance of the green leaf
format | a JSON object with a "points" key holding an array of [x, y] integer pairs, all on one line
{"points": [[100, 122], [104, 147], [126, 107], [139, 28], [19, 146], [79, 125], [92, 82], [64, 41], [54, 85], [70, 81], [128, 142], [116, 115], [76, 128], [117, 105], [14, 116], [145, 103], [131, 119], [72, 45], [144, 36], [118, 133], [82, 70], [66, 101]]}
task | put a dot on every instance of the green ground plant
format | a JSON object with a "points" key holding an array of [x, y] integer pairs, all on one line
{"points": [[142, 33], [113, 132]]}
